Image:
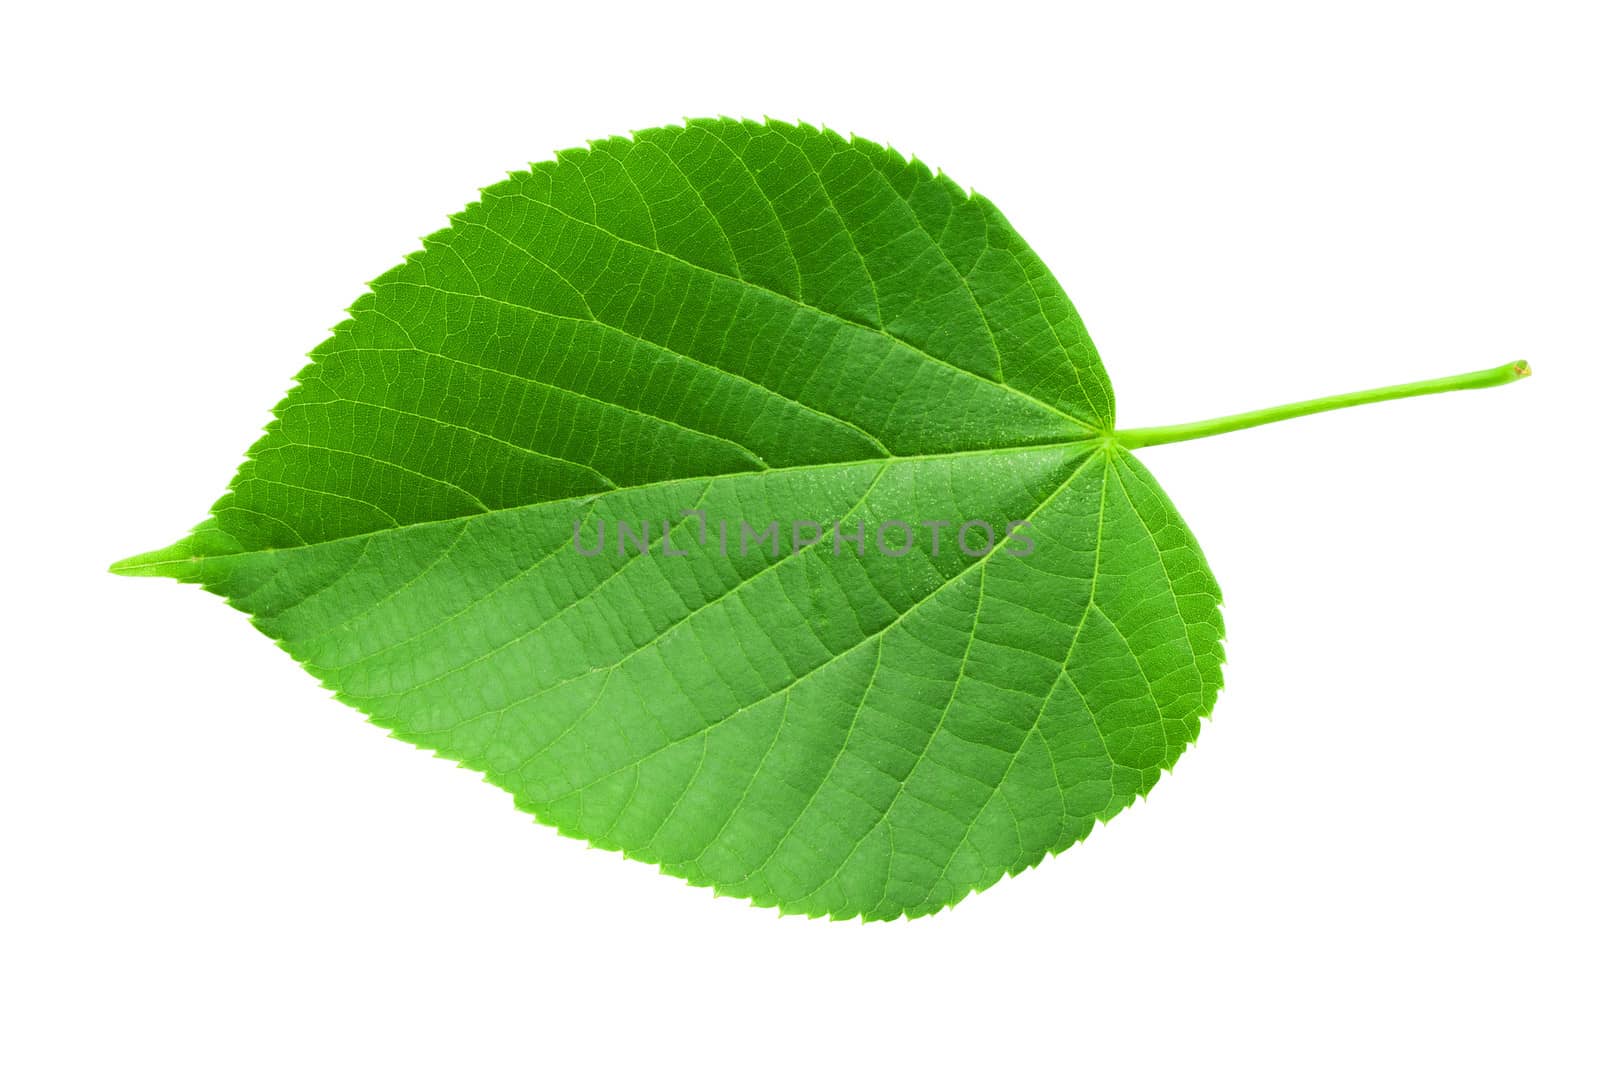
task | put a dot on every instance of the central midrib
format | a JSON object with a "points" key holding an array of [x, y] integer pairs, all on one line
{"points": [[1086, 445]]}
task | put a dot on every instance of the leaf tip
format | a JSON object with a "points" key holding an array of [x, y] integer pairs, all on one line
{"points": [[175, 561]]}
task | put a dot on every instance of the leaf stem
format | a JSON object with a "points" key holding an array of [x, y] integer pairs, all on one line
{"points": [[1186, 431]]}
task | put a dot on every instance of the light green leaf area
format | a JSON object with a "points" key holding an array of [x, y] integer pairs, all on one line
{"points": [[761, 323]]}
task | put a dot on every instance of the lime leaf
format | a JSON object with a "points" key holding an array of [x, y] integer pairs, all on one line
{"points": [[744, 498]]}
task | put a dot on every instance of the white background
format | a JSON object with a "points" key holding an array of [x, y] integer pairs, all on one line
{"points": [[1383, 848]]}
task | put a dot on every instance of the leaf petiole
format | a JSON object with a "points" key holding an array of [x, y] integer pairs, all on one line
{"points": [[1186, 431]]}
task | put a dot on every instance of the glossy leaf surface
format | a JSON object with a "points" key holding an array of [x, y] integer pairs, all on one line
{"points": [[755, 324]]}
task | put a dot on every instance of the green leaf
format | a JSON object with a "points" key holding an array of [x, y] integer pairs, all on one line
{"points": [[757, 324]]}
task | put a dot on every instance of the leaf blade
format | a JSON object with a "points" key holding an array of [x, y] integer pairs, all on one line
{"points": [[764, 322]]}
